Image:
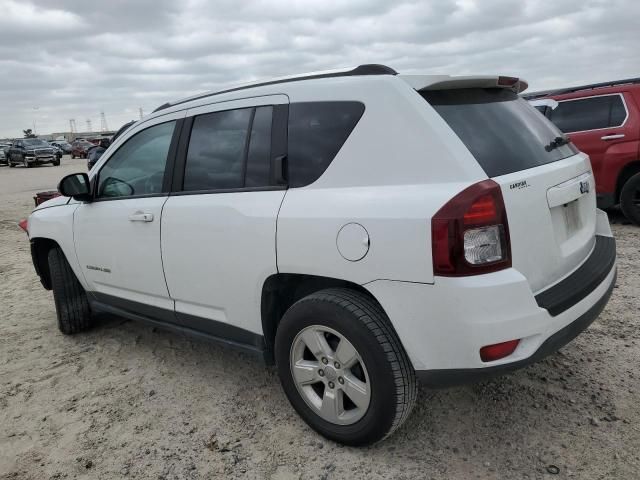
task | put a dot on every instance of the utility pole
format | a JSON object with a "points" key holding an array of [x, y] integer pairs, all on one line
{"points": [[140, 112], [89, 127], [103, 123]]}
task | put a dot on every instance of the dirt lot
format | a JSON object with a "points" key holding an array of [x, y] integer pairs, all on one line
{"points": [[129, 400]]}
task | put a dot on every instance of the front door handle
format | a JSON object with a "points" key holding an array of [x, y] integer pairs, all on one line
{"points": [[613, 136], [141, 217]]}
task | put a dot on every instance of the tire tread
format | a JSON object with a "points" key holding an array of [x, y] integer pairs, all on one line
{"points": [[374, 318], [72, 306]]}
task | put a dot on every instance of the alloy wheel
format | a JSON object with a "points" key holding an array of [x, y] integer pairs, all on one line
{"points": [[330, 375]]}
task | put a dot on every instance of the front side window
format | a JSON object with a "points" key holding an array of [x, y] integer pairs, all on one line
{"points": [[317, 131], [138, 166], [589, 113]]}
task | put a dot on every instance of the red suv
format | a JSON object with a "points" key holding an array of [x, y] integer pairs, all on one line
{"points": [[603, 120]]}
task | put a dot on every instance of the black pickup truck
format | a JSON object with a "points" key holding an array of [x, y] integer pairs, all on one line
{"points": [[31, 151]]}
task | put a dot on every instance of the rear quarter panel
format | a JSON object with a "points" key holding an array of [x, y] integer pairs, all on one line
{"points": [[400, 164]]}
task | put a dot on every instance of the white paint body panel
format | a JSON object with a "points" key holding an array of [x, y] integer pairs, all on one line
{"points": [[105, 238], [218, 249]]}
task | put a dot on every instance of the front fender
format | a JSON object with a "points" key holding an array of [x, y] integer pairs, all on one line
{"points": [[57, 224]]}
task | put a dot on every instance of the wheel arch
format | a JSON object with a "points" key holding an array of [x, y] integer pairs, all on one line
{"points": [[282, 290], [40, 248], [628, 171]]}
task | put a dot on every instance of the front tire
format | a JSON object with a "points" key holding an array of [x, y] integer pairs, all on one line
{"points": [[630, 199], [343, 367], [72, 305]]}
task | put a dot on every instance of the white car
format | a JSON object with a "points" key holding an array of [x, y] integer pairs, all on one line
{"points": [[362, 229]]}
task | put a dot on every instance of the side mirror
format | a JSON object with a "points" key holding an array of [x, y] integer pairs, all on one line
{"points": [[77, 186]]}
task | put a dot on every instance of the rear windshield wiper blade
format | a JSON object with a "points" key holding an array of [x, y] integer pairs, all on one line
{"points": [[557, 142]]}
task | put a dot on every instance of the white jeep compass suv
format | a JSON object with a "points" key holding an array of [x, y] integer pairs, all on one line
{"points": [[361, 229]]}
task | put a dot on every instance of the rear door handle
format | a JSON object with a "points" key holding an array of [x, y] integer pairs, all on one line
{"points": [[613, 136], [141, 217]]}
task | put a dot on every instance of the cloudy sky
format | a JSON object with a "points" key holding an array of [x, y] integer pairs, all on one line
{"points": [[62, 59]]}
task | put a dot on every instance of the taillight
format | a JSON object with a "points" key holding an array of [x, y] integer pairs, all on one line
{"points": [[470, 234], [24, 224]]}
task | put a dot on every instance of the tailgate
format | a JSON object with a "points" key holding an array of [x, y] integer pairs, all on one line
{"points": [[551, 211], [547, 185]]}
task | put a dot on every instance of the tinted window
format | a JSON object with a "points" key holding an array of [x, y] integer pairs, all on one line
{"points": [[589, 113], [501, 130], [217, 147], [137, 167], [259, 156], [317, 131]]}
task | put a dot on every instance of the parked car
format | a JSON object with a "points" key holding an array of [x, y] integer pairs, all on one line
{"points": [[603, 120], [79, 148], [94, 153], [62, 145], [3, 156], [4, 153], [32, 151], [291, 220]]}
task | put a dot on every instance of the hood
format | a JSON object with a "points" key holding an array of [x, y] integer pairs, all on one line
{"points": [[54, 202]]}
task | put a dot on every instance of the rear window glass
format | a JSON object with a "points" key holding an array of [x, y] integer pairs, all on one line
{"points": [[589, 113], [501, 130], [317, 131]]}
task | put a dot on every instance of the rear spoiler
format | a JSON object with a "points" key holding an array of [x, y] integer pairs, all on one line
{"points": [[446, 82]]}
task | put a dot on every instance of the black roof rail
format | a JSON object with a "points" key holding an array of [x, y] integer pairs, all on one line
{"points": [[367, 69], [560, 91]]}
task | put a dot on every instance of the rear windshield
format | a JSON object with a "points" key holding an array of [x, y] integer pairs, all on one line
{"points": [[501, 130]]}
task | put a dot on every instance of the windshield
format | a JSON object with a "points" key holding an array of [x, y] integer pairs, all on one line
{"points": [[35, 142], [501, 130]]}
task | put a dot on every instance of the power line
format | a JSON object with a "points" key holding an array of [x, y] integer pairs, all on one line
{"points": [[103, 123]]}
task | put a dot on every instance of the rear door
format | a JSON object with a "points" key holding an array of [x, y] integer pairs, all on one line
{"points": [[548, 187], [598, 125], [219, 224]]}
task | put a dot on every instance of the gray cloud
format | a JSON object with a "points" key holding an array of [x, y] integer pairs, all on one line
{"points": [[62, 59]]}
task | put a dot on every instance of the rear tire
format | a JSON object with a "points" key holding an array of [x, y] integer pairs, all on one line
{"points": [[386, 385], [630, 199], [72, 305]]}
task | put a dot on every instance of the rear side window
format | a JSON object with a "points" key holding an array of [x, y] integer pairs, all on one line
{"points": [[229, 149], [589, 113], [259, 156], [501, 130], [317, 131]]}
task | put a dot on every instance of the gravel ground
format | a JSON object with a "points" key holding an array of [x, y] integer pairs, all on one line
{"points": [[128, 400]]}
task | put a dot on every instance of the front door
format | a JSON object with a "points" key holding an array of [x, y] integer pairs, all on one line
{"points": [[117, 236], [219, 226]]}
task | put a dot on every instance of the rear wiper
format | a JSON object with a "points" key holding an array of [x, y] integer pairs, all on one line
{"points": [[557, 142]]}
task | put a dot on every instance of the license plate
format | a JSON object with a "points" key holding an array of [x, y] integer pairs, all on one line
{"points": [[572, 216]]}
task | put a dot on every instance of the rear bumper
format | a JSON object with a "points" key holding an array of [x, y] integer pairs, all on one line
{"points": [[443, 326], [451, 377]]}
